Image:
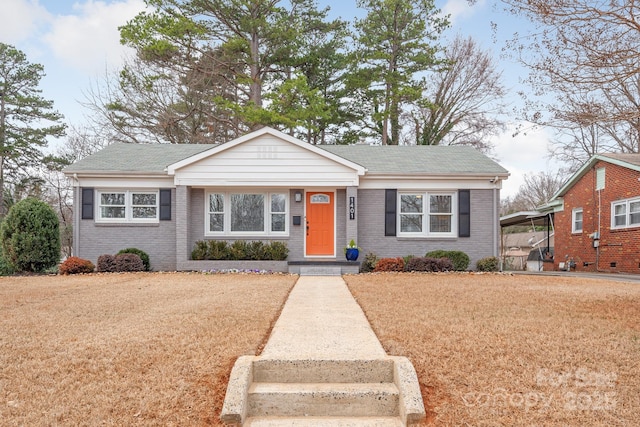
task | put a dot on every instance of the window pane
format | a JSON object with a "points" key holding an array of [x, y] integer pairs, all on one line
{"points": [[278, 203], [216, 203], [440, 204], [144, 212], [113, 199], [440, 223], [620, 215], [247, 212], [112, 212], [411, 203], [411, 223], [143, 199], [216, 222], [634, 213], [278, 222]]}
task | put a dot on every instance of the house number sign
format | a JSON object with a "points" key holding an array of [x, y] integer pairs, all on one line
{"points": [[352, 208]]}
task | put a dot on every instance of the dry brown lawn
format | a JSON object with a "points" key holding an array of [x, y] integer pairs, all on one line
{"points": [[157, 349], [503, 350], [128, 349]]}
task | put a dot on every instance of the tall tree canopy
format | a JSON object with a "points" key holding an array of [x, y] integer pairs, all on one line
{"points": [[26, 118], [585, 69], [395, 48]]}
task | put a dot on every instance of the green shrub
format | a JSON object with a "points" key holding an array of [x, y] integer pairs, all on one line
{"points": [[217, 250], [30, 235], [107, 263], [128, 262], [278, 251], [199, 252], [369, 263], [5, 268], [239, 250], [427, 264], [489, 263], [75, 265], [459, 259], [142, 254], [390, 264], [256, 251]]}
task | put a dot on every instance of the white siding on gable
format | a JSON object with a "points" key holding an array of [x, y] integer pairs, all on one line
{"points": [[266, 161]]}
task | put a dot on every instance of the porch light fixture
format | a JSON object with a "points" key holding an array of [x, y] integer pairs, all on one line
{"points": [[298, 197]]}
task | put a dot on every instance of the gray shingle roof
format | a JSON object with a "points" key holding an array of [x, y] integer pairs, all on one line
{"points": [[631, 158], [417, 159], [136, 158], [154, 158]]}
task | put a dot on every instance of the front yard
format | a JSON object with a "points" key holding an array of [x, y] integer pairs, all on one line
{"points": [[512, 350], [157, 348]]}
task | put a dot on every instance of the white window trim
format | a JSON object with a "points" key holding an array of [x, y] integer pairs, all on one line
{"points": [[128, 206], [574, 212], [426, 233], [227, 214], [627, 203]]}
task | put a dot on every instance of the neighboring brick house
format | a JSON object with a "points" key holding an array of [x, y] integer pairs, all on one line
{"points": [[392, 200], [597, 216]]}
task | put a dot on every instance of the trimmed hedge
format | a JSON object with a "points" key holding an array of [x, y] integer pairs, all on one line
{"points": [[76, 265], [389, 264], [429, 264], [106, 263], [239, 250], [142, 254], [489, 263], [459, 259], [128, 262]]}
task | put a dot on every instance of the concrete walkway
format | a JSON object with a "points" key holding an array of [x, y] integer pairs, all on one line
{"points": [[322, 366], [321, 320]]}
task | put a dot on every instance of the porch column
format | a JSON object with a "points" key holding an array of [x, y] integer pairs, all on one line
{"points": [[352, 215], [183, 213]]}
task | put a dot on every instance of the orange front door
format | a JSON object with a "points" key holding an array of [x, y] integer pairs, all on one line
{"points": [[320, 224]]}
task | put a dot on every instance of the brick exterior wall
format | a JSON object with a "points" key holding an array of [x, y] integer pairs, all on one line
{"points": [[617, 247], [158, 240], [482, 242]]}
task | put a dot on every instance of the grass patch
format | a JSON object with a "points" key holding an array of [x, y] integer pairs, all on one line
{"points": [[128, 349], [512, 350]]}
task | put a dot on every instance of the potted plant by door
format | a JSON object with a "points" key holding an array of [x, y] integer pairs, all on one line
{"points": [[352, 251]]}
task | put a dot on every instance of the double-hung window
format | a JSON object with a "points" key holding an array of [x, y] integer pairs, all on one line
{"points": [[576, 220], [127, 206], [230, 213], [427, 214], [625, 213]]}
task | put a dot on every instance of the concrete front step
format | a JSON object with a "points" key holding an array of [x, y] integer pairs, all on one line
{"points": [[323, 371], [322, 399], [323, 422]]}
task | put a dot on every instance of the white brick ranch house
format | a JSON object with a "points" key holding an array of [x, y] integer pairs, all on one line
{"points": [[266, 185]]}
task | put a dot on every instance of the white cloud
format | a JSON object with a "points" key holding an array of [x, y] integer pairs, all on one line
{"points": [[20, 20], [461, 9], [88, 40], [525, 153]]}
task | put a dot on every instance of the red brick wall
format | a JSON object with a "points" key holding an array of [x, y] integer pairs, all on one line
{"points": [[621, 247]]}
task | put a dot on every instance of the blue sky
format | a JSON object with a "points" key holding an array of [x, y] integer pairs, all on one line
{"points": [[77, 42]]}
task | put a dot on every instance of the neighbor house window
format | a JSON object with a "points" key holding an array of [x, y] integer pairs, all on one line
{"points": [[576, 220], [127, 206], [246, 213], [625, 213], [427, 214]]}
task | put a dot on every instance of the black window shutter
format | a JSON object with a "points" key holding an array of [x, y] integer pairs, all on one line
{"points": [[390, 203], [165, 204], [87, 203], [464, 213]]}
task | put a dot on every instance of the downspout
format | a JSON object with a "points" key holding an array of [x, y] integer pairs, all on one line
{"points": [[599, 225], [77, 209]]}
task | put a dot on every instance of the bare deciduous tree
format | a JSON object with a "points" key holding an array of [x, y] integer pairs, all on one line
{"points": [[464, 99], [585, 69]]}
